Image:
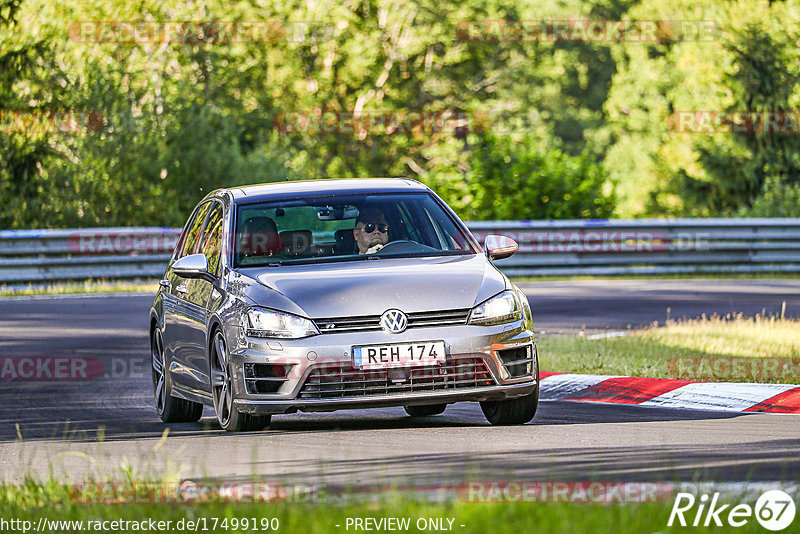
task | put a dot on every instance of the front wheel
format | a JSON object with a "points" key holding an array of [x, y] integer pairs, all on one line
{"points": [[513, 411], [169, 408], [230, 419]]}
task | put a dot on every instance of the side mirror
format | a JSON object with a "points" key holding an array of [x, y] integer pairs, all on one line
{"points": [[499, 246], [192, 266]]}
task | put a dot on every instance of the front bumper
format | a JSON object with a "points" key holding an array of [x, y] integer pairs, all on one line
{"points": [[490, 393], [303, 357]]}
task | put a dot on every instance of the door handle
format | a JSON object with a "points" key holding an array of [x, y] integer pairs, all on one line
{"points": [[165, 283], [182, 289]]}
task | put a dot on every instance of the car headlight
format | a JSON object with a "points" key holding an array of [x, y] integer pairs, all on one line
{"points": [[502, 308], [527, 314], [260, 322]]}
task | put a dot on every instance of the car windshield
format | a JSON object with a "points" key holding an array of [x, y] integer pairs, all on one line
{"points": [[345, 228]]}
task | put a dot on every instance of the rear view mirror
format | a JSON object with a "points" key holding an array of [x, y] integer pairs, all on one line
{"points": [[336, 213], [192, 266], [499, 246]]}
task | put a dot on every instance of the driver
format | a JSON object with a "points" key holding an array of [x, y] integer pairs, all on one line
{"points": [[371, 232]]}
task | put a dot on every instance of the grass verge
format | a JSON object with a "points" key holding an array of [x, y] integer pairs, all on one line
{"points": [[730, 349], [111, 286], [87, 286]]}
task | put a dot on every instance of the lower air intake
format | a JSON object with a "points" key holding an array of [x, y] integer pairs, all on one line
{"points": [[347, 381]]}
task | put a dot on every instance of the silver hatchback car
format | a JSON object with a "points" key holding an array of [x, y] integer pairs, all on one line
{"points": [[338, 294]]}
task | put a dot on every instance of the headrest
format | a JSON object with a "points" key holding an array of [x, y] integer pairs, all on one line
{"points": [[345, 242], [259, 237], [295, 242]]}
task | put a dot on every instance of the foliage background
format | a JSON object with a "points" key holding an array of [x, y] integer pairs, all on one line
{"points": [[569, 129]]}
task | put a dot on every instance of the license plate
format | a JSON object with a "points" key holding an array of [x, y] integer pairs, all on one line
{"points": [[399, 355]]}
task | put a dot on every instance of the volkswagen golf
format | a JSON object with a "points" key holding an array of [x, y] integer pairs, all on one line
{"points": [[338, 294]]}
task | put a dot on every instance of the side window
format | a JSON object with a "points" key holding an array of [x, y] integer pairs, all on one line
{"points": [[446, 232], [182, 239], [190, 243], [419, 228], [212, 239]]}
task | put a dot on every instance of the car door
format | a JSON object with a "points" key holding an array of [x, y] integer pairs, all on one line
{"points": [[196, 300], [181, 318]]}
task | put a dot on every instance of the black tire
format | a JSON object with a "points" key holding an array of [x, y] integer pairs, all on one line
{"points": [[513, 411], [426, 410], [170, 409], [230, 419], [245, 422]]}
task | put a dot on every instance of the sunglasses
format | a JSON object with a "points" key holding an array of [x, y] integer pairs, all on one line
{"points": [[370, 227]]}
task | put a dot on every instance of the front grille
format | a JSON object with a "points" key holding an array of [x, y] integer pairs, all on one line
{"points": [[347, 381], [365, 323]]}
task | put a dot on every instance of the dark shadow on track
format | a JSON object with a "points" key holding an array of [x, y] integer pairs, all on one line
{"points": [[773, 460], [113, 422]]}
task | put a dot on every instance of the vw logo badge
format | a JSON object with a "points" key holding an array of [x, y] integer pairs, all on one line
{"points": [[394, 321]]}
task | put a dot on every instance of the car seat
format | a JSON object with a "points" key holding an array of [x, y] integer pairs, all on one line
{"points": [[259, 237], [345, 242]]}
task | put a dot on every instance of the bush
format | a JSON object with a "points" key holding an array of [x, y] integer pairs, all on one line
{"points": [[777, 199], [510, 180]]}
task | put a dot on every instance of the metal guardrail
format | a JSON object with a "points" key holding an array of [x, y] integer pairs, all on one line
{"points": [[648, 246], [564, 247], [51, 255]]}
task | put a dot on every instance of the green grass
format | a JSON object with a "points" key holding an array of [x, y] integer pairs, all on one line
{"points": [[53, 501], [87, 286], [730, 347]]}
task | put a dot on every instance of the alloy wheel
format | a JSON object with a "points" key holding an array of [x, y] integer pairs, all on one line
{"points": [[221, 381], [159, 383]]}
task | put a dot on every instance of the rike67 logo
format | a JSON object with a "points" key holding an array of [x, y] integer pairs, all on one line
{"points": [[774, 510]]}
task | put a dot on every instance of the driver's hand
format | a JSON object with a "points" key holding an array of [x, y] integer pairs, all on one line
{"points": [[373, 249]]}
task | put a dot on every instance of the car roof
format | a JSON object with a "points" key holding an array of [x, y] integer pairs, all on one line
{"points": [[308, 188]]}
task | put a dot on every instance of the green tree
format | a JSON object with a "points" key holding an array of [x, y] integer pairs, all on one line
{"points": [[27, 73], [183, 117], [748, 64], [761, 82], [521, 181]]}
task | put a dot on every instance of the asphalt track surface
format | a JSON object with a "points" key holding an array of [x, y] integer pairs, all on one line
{"points": [[81, 428]]}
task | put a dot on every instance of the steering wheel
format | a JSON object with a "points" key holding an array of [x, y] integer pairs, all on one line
{"points": [[398, 242], [404, 246]]}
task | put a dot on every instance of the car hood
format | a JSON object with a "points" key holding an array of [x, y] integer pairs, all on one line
{"points": [[370, 287]]}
